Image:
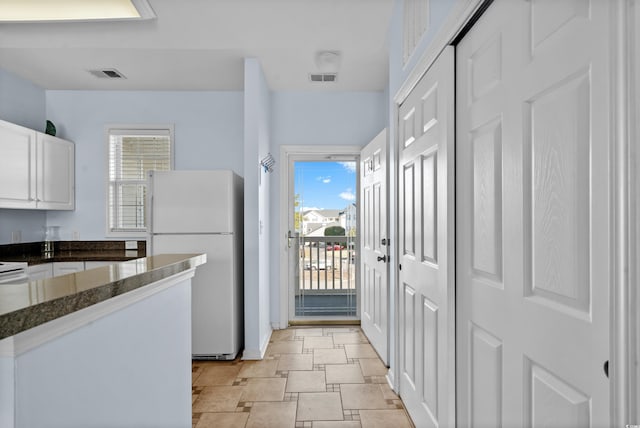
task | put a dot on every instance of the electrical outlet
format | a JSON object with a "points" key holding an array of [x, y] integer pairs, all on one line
{"points": [[130, 245], [16, 237], [75, 235]]}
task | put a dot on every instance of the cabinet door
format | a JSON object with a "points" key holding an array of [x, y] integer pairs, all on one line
{"points": [[56, 173], [17, 171], [63, 268], [42, 271], [96, 264]]}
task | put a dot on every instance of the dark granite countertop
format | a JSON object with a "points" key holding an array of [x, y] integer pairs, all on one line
{"points": [[71, 251], [77, 256], [29, 304]]}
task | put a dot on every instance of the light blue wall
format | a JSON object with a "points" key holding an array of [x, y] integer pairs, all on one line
{"points": [[327, 117], [258, 187], [208, 135], [29, 223], [314, 118], [23, 103]]}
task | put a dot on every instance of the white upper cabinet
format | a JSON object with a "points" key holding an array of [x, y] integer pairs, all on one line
{"points": [[55, 171], [37, 170], [17, 166]]}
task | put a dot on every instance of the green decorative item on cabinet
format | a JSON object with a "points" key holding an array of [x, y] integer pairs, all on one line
{"points": [[51, 128]]}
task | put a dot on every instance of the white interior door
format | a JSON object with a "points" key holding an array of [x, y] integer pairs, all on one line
{"points": [[533, 226], [374, 244], [426, 288]]}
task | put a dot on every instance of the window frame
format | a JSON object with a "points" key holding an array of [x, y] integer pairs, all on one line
{"points": [[122, 129]]}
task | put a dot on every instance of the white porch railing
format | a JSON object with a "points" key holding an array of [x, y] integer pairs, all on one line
{"points": [[327, 267]]}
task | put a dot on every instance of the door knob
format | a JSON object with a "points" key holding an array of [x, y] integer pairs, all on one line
{"points": [[382, 258]]}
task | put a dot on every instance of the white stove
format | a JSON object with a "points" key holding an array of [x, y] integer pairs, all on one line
{"points": [[13, 272]]}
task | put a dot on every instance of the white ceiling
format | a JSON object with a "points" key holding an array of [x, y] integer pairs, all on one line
{"points": [[200, 45]]}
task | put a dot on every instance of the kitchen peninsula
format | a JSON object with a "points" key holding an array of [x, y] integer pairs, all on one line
{"points": [[109, 346]]}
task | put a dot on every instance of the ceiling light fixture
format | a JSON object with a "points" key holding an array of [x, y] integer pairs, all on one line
{"points": [[328, 61], [74, 10]]}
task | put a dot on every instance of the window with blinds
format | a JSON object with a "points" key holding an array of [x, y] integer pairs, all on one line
{"points": [[132, 154]]}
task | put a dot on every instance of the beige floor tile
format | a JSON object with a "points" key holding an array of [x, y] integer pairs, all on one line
{"points": [[286, 347], [262, 368], [365, 396], [388, 393], [351, 337], [304, 332], [272, 415], [324, 406], [332, 330], [295, 362], [362, 350], [372, 367], [196, 370], [280, 335], [384, 419], [329, 356], [218, 399], [344, 373], [306, 381], [264, 389], [217, 375], [336, 424], [226, 420], [318, 342]]}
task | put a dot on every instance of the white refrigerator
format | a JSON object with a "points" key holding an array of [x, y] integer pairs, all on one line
{"points": [[202, 212]]}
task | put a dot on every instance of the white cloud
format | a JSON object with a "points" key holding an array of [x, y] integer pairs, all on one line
{"points": [[348, 195], [349, 166], [325, 180]]}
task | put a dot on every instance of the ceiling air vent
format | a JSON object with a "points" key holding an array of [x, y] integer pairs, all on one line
{"points": [[107, 73], [323, 77]]}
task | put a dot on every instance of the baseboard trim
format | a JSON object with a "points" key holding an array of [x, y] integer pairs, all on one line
{"points": [[257, 354], [296, 323]]}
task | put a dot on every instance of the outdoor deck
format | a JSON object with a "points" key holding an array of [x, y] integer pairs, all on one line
{"points": [[326, 277]]}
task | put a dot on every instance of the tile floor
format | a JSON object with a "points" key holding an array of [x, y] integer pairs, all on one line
{"points": [[309, 378]]}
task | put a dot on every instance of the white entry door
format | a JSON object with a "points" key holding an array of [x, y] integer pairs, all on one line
{"points": [[374, 245], [533, 206], [426, 289]]}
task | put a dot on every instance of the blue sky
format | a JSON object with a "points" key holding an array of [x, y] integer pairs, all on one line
{"points": [[325, 185]]}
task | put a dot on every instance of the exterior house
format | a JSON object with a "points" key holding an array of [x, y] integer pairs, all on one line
{"points": [[232, 129], [313, 220], [348, 219]]}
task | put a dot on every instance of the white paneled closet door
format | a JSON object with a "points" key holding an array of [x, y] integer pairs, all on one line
{"points": [[533, 223], [426, 290]]}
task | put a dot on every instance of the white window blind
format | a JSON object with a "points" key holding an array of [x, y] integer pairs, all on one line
{"points": [[132, 154]]}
